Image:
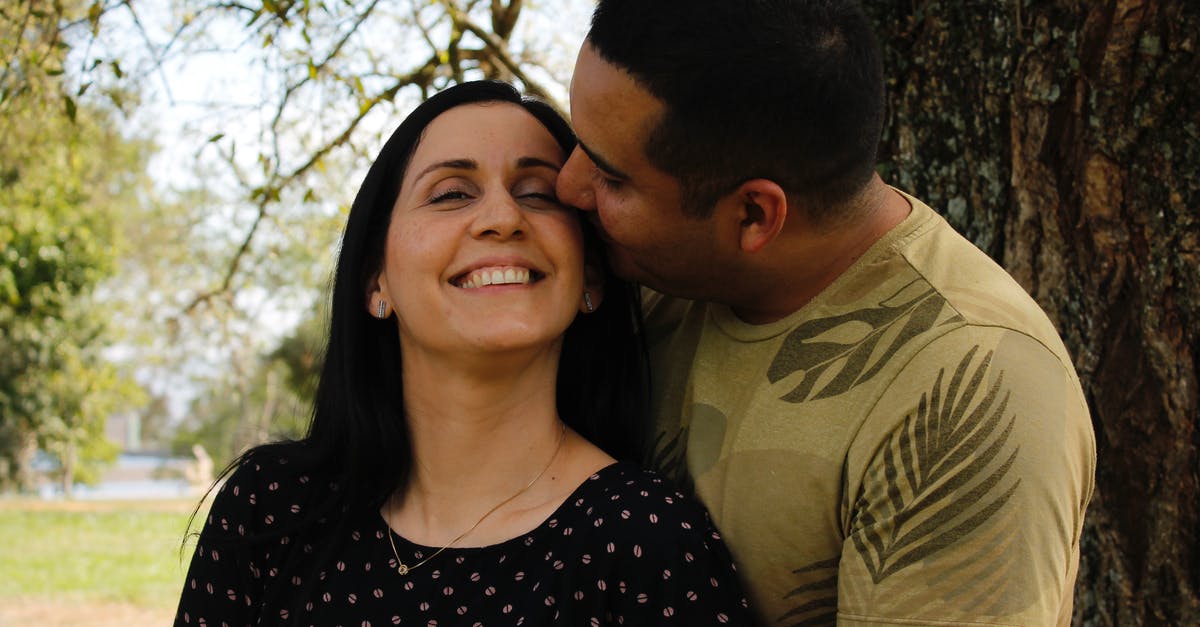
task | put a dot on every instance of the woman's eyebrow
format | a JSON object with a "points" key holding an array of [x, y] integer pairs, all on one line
{"points": [[471, 164], [452, 164], [534, 162]]}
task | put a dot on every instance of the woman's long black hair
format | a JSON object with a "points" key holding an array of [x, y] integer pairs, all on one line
{"points": [[358, 438], [358, 429]]}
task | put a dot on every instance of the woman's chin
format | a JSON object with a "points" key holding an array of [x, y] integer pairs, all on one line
{"points": [[500, 340], [488, 340]]}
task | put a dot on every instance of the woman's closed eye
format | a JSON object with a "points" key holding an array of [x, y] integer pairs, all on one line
{"points": [[546, 196], [449, 195], [536, 192]]}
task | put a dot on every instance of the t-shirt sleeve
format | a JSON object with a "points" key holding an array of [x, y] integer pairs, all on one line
{"points": [[966, 488], [679, 572]]}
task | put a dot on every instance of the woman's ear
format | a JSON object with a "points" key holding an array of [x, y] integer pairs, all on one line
{"points": [[593, 286], [376, 298]]}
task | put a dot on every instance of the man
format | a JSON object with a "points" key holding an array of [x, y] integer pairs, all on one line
{"points": [[884, 425]]}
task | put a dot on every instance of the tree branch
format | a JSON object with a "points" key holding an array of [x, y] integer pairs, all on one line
{"points": [[270, 192], [499, 49]]}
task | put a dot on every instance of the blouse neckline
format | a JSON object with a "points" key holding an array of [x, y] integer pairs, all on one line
{"points": [[525, 538]]}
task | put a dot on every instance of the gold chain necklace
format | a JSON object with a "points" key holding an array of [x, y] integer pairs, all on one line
{"points": [[404, 569]]}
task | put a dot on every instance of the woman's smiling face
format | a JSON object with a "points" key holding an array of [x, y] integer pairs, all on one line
{"points": [[480, 256]]}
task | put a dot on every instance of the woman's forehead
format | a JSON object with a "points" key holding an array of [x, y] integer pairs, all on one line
{"points": [[492, 127], [497, 136]]}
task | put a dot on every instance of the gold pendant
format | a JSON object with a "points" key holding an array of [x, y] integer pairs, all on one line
{"points": [[402, 569]]}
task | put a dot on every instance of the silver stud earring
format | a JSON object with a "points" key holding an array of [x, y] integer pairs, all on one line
{"points": [[587, 302], [381, 310]]}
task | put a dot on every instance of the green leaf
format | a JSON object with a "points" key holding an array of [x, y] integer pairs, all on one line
{"points": [[93, 15], [70, 107]]}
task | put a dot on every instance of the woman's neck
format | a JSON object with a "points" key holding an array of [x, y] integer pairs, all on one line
{"points": [[479, 436]]}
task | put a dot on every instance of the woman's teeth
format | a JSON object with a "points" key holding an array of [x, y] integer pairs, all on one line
{"points": [[495, 276]]}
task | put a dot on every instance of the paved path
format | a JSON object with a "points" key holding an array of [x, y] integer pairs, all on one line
{"points": [[48, 613]]}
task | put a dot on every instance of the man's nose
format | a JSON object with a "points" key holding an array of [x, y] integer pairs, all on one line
{"points": [[574, 186]]}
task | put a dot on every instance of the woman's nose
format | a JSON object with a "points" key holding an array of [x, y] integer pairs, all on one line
{"points": [[574, 181], [499, 216]]}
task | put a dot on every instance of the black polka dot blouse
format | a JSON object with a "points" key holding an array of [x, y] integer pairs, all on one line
{"points": [[623, 549]]}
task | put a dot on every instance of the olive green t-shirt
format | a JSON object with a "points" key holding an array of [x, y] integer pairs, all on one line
{"points": [[911, 447]]}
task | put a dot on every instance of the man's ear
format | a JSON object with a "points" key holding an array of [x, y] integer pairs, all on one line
{"points": [[762, 209]]}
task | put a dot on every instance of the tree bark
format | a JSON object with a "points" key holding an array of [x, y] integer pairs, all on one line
{"points": [[1063, 137]]}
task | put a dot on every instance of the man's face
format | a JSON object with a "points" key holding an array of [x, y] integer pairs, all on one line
{"points": [[638, 208]]}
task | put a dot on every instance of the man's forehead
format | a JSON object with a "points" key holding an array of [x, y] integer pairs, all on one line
{"points": [[599, 77], [611, 112]]}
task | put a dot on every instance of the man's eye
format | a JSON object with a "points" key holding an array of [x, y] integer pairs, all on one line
{"points": [[608, 182]]}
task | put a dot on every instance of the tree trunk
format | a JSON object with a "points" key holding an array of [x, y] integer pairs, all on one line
{"points": [[1063, 137], [69, 461]]}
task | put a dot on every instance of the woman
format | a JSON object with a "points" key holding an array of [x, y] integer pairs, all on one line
{"points": [[482, 375]]}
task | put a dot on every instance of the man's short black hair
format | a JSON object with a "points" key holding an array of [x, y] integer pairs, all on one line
{"points": [[787, 90]]}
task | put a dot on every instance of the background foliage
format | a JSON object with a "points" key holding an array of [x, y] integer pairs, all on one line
{"points": [[67, 178]]}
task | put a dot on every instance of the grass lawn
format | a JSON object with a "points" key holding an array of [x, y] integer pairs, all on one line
{"points": [[113, 557]]}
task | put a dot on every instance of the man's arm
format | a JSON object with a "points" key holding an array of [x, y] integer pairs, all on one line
{"points": [[966, 488]]}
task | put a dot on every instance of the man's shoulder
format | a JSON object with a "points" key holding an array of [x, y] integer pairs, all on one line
{"points": [[978, 288]]}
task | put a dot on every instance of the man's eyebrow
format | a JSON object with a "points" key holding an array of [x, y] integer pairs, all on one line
{"points": [[601, 163], [453, 164]]}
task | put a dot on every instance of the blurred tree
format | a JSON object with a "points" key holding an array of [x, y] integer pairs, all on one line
{"points": [[66, 180], [1064, 138], [300, 355], [154, 428], [243, 410], [272, 401]]}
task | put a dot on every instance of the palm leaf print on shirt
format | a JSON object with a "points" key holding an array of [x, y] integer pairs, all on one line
{"points": [[815, 598], [944, 472], [846, 345], [667, 458]]}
